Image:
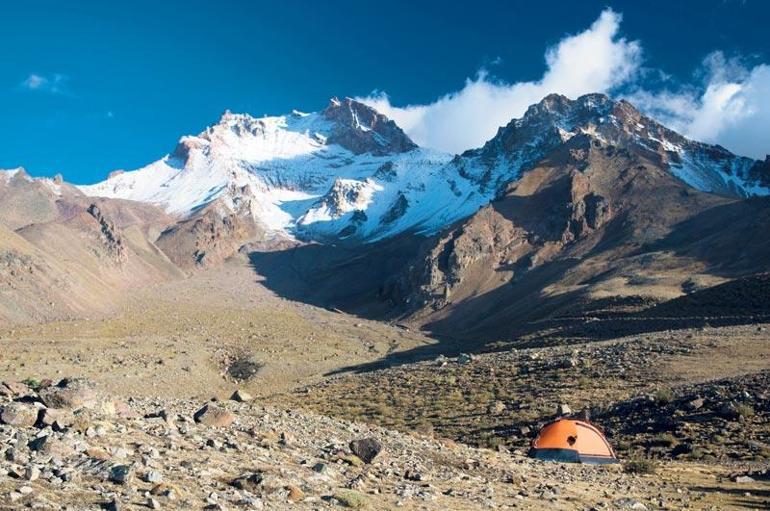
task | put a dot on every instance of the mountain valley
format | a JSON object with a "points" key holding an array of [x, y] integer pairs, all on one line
{"points": [[352, 284]]}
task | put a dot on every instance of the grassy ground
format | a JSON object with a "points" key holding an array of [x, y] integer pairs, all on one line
{"points": [[177, 339]]}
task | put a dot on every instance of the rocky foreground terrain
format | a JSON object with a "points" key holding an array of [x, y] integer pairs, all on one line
{"points": [[68, 446], [686, 409]]}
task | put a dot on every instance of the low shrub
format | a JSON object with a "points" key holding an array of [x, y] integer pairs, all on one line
{"points": [[640, 467]]}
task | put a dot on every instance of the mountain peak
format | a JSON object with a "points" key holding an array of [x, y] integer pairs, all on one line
{"points": [[360, 128], [554, 120]]}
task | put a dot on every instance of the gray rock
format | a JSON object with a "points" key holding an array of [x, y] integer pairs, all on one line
{"points": [[464, 358], [628, 503], [121, 474], [32, 473], [113, 505], [56, 418], [153, 476], [248, 482]]}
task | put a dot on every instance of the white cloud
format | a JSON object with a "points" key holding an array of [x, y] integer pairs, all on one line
{"points": [[53, 84], [731, 107], [595, 60]]}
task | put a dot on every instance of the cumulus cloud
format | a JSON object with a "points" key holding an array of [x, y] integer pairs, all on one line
{"points": [[595, 60], [53, 84], [728, 103], [729, 107]]}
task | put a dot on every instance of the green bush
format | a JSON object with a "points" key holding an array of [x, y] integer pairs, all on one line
{"points": [[744, 410], [640, 467], [666, 439], [663, 396], [32, 383], [352, 499]]}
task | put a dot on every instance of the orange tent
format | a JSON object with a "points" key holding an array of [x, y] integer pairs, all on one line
{"points": [[574, 441]]}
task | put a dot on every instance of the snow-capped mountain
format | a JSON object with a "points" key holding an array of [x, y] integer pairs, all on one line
{"points": [[346, 168], [556, 119], [348, 172]]}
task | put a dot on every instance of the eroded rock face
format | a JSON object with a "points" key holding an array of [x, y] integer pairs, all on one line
{"points": [[361, 129], [539, 218], [209, 238], [111, 237]]}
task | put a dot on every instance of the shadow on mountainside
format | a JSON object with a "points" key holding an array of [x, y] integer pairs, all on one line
{"points": [[347, 278], [729, 240]]}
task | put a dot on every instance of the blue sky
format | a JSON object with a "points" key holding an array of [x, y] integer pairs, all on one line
{"points": [[90, 87]]}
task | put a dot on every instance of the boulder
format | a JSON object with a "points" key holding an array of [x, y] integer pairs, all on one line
{"points": [[295, 494], [56, 418], [241, 396], [49, 445], [14, 389], [629, 503], [248, 482], [121, 474], [71, 394], [214, 416], [21, 415], [366, 449], [728, 411], [695, 404], [464, 358]]}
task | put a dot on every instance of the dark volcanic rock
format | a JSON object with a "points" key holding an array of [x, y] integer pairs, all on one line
{"points": [[367, 449]]}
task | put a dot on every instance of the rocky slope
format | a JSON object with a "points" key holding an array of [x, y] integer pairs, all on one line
{"points": [[63, 254], [689, 394], [605, 204], [66, 446]]}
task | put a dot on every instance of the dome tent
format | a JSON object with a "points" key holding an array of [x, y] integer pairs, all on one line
{"points": [[574, 441]]}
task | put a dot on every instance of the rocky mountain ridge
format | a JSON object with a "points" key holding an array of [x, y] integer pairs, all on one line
{"points": [[569, 187], [349, 173]]}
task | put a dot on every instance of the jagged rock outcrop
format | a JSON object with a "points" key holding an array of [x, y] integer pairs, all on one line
{"points": [[212, 235], [556, 119], [361, 129], [760, 172], [535, 221], [111, 237]]}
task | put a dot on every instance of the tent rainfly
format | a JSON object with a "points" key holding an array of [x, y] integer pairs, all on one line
{"points": [[573, 441]]}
